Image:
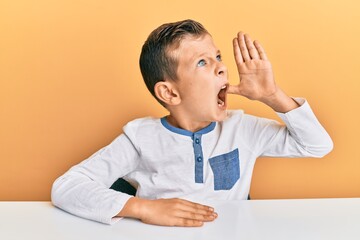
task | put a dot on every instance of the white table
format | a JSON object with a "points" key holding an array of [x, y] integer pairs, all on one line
{"points": [[256, 219]]}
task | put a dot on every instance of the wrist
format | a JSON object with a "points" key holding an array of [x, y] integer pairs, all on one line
{"points": [[280, 102], [133, 208]]}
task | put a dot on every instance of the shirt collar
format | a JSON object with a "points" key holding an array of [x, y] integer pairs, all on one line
{"points": [[171, 128]]}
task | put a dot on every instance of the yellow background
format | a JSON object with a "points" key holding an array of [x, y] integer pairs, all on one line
{"points": [[69, 81]]}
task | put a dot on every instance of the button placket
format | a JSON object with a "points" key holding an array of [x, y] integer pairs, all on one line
{"points": [[199, 163]]}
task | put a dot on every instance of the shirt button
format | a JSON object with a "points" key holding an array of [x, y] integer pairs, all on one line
{"points": [[197, 141], [199, 159]]}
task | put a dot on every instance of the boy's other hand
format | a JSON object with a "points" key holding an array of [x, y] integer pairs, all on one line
{"points": [[255, 71], [168, 212]]}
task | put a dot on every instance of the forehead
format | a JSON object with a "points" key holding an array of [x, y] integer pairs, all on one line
{"points": [[191, 47]]}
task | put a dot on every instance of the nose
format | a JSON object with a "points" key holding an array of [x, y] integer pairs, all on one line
{"points": [[221, 69]]}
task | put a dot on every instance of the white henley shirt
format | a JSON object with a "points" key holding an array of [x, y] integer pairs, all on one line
{"points": [[163, 161]]}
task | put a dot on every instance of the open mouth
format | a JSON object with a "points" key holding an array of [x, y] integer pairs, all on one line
{"points": [[222, 96]]}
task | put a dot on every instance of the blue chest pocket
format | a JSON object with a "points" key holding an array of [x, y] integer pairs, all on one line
{"points": [[226, 169]]}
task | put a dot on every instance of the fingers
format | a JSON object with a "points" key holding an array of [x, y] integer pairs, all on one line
{"points": [[245, 49], [237, 53], [251, 48], [188, 223], [197, 206], [176, 212], [260, 50], [195, 211], [233, 89], [203, 217]]}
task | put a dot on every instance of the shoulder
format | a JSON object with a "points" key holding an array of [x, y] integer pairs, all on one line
{"points": [[141, 127], [141, 124], [234, 113], [236, 116], [242, 120]]}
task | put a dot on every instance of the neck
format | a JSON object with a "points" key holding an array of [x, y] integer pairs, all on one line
{"points": [[186, 124]]}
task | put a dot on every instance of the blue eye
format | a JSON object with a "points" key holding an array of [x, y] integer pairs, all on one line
{"points": [[218, 57], [201, 63]]}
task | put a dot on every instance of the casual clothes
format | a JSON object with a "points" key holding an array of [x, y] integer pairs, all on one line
{"points": [[163, 161]]}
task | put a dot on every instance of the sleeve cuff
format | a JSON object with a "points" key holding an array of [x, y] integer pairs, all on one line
{"points": [[304, 106], [116, 207]]}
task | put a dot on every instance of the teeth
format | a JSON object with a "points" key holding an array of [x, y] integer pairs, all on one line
{"points": [[220, 102], [221, 95]]}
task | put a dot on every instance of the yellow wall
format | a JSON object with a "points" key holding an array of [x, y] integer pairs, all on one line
{"points": [[69, 81]]}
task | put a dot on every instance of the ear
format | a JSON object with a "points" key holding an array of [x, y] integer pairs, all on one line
{"points": [[167, 93]]}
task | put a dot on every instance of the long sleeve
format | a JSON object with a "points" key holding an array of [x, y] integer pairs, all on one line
{"points": [[84, 189], [301, 136]]}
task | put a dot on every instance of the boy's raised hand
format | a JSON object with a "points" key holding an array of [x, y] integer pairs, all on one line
{"points": [[168, 212], [255, 71], [256, 75]]}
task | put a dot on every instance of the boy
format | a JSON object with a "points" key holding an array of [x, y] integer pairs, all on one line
{"points": [[200, 150]]}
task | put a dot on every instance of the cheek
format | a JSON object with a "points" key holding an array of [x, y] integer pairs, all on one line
{"points": [[194, 91], [197, 102], [204, 96], [198, 93]]}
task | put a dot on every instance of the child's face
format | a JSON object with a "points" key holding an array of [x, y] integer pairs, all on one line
{"points": [[202, 79]]}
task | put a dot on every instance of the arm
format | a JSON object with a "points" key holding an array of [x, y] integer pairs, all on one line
{"points": [[84, 191], [303, 135]]}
